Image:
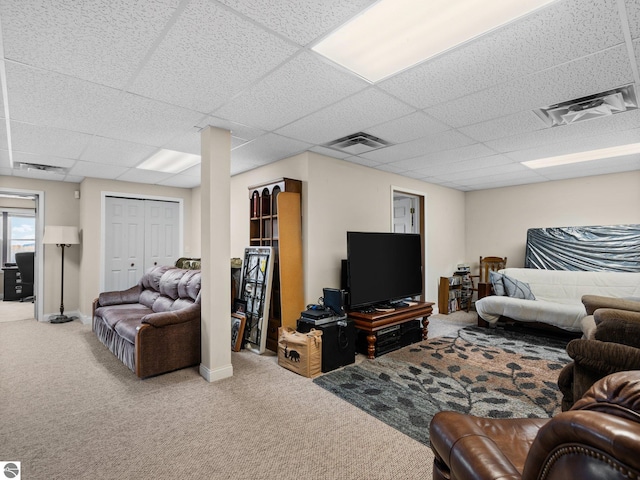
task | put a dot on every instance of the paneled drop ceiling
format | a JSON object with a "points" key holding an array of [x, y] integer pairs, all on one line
{"points": [[97, 86]]}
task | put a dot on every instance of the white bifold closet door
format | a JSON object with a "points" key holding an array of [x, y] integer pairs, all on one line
{"points": [[139, 235]]}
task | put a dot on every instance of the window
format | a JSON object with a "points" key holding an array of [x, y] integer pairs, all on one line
{"points": [[18, 235]]}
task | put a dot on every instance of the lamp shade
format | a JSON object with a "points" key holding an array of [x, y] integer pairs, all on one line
{"points": [[61, 235]]}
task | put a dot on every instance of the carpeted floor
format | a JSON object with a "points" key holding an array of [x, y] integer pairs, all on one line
{"points": [[11, 311], [485, 372], [70, 410]]}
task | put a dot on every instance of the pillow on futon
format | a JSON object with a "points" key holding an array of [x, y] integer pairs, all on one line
{"points": [[496, 282], [516, 288]]}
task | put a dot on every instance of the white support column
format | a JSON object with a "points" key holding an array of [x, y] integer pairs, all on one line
{"points": [[215, 189]]}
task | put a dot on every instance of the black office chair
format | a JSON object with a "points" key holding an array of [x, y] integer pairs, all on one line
{"points": [[24, 260]]}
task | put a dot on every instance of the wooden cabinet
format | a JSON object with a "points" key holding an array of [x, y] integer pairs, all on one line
{"points": [[454, 293], [276, 221]]}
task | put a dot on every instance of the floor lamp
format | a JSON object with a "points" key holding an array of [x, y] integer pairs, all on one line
{"points": [[62, 237]]}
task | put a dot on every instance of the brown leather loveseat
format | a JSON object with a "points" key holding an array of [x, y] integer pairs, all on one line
{"points": [[153, 327], [599, 438]]}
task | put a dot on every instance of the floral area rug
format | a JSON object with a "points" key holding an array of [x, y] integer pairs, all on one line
{"points": [[485, 372]]}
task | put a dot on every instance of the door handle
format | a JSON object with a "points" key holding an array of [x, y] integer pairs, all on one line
{"points": [[132, 264]]}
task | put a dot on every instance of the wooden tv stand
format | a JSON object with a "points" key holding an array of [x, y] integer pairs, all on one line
{"points": [[379, 320]]}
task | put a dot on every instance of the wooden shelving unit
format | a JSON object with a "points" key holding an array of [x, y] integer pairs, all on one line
{"points": [[276, 221], [454, 293]]}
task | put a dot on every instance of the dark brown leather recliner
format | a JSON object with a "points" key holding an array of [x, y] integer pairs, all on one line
{"points": [[613, 347], [599, 438]]}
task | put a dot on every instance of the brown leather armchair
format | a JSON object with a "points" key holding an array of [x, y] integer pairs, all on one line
{"points": [[599, 438], [612, 346]]}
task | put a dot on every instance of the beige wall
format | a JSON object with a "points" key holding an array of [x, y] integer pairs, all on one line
{"points": [[498, 219], [339, 196], [60, 208], [91, 223]]}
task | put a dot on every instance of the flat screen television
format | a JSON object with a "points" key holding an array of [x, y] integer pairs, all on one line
{"points": [[382, 267]]}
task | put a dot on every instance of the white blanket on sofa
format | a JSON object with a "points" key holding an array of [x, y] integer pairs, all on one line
{"points": [[558, 296]]}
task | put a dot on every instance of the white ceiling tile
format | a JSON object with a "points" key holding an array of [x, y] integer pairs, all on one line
{"points": [[267, 149], [578, 145], [244, 132], [181, 181], [116, 152], [502, 180], [448, 160], [585, 76], [47, 141], [589, 128], [299, 20], [209, 55], [416, 175], [191, 142], [436, 167], [387, 167], [73, 179], [633, 14], [96, 170], [145, 121], [433, 143], [144, 176], [73, 37], [329, 152], [311, 85], [194, 171], [4, 145], [240, 166], [356, 113], [471, 170], [362, 161], [551, 36], [517, 123], [636, 48], [58, 101], [409, 127], [185, 58]]}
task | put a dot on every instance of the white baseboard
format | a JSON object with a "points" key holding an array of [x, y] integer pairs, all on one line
{"points": [[86, 320], [217, 374]]}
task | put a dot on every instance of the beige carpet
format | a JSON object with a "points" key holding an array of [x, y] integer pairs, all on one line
{"points": [[70, 410], [11, 311]]}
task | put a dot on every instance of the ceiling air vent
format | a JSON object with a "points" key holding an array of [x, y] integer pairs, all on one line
{"points": [[357, 143], [42, 168], [602, 104]]}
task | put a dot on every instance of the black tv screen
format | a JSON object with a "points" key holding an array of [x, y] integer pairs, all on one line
{"points": [[383, 267]]}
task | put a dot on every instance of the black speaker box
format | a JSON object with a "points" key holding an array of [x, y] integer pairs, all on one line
{"points": [[338, 342]]}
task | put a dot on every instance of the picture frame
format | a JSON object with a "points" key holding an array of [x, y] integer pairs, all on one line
{"points": [[240, 307], [237, 331]]}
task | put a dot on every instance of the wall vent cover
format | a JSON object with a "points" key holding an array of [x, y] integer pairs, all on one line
{"points": [[41, 168], [602, 104], [357, 143]]}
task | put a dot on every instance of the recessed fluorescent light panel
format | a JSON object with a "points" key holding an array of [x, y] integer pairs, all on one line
{"points": [[169, 161], [393, 35], [578, 157]]}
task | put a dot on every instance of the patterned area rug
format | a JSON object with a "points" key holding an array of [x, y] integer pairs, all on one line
{"points": [[485, 372]]}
